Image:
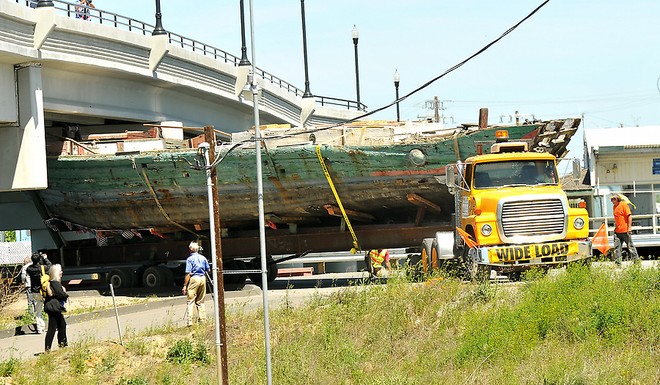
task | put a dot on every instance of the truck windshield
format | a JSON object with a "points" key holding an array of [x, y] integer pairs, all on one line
{"points": [[513, 173]]}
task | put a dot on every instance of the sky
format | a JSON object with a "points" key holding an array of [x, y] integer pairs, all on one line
{"points": [[596, 59]]}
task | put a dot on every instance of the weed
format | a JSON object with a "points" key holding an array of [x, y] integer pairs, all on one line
{"points": [[8, 367], [80, 354], [108, 363], [137, 346], [137, 380], [184, 352]]}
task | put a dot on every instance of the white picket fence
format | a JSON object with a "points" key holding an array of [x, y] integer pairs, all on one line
{"points": [[13, 253]]}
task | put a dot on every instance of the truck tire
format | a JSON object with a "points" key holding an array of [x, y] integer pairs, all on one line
{"points": [[235, 280], [427, 249], [168, 276], [473, 270], [120, 279], [271, 268], [153, 277]]}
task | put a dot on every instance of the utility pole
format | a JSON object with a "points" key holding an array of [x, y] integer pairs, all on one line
{"points": [[437, 110], [216, 257]]}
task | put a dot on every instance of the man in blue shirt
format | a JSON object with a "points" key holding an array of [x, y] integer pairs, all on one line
{"points": [[194, 285]]}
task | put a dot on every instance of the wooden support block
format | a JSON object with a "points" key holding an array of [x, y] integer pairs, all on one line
{"points": [[352, 214], [422, 202], [295, 272]]}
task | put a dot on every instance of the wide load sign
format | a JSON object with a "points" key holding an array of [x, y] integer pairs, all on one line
{"points": [[524, 252]]}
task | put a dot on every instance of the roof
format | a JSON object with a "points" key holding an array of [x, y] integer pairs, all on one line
{"points": [[631, 137]]}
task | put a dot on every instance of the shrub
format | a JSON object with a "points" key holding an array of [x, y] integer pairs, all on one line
{"points": [[7, 368], [183, 352]]}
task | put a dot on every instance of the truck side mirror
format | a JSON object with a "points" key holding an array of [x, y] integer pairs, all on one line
{"points": [[450, 176]]}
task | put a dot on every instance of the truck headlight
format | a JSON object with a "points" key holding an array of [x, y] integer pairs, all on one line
{"points": [[486, 230], [578, 223]]}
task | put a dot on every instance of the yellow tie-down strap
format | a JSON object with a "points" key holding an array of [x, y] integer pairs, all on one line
{"points": [[523, 252]]}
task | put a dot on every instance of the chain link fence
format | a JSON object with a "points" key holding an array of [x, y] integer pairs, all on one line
{"points": [[13, 253]]}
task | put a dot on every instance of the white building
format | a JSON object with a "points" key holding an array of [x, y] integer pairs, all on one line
{"points": [[625, 160]]}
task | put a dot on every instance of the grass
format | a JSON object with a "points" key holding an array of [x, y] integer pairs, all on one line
{"points": [[582, 326]]}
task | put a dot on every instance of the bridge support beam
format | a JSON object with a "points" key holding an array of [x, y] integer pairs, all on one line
{"points": [[23, 155]]}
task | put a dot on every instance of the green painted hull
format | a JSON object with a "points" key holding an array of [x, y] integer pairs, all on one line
{"points": [[160, 190]]}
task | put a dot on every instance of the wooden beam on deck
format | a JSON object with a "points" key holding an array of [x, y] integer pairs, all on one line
{"points": [[422, 202], [352, 214]]}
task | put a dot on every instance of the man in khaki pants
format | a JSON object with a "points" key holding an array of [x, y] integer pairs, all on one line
{"points": [[194, 285]]}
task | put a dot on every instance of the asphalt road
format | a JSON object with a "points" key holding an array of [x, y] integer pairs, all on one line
{"points": [[166, 308]]}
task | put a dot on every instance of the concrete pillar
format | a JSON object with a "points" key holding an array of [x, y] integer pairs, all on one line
{"points": [[23, 151]]}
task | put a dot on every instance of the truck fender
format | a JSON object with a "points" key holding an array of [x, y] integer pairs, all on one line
{"points": [[443, 244]]}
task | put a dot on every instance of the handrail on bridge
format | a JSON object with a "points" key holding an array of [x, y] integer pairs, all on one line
{"points": [[132, 25]]}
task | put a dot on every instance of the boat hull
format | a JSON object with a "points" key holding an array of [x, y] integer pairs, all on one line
{"points": [[377, 184]]}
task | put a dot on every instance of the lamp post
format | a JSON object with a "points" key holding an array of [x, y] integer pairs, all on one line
{"points": [[307, 93], [158, 29], [244, 60], [356, 36], [45, 3], [397, 79]]}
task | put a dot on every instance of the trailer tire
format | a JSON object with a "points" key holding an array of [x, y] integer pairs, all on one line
{"points": [[168, 276], [120, 279], [153, 277], [237, 280], [271, 268]]}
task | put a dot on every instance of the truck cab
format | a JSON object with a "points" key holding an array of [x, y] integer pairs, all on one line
{"points": [[510, 214]]}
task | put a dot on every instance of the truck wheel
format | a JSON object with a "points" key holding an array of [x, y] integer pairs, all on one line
{"points": [[168, 276], [152, 277], [436, 263], [235, 279], [474, 271], [255, 263], [427, 250], [120, 279]]}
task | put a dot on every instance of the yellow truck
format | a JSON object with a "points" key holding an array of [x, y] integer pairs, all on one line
{"points": [[510, 214]]}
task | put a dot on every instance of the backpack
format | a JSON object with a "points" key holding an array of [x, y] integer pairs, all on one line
{"points": [[45, 282]]}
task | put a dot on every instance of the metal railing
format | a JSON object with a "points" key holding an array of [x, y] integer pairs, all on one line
{"points": [[103, 17]]}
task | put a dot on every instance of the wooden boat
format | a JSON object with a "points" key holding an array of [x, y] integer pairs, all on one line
{"points": [[383, 173]]}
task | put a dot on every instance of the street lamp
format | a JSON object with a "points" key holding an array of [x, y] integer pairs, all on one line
{"points": [[356, 36], [158, 29], [397, 79], [244, 60], [307, 93], [45, 3]]}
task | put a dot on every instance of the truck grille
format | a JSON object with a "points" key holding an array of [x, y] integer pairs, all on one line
{"points": [[544, 217]]}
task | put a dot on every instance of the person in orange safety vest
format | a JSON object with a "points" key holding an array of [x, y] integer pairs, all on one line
{"points": [[378, 258], [622, 227]]}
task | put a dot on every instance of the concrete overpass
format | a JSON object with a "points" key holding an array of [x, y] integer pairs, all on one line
{"points": [[111, 73]]}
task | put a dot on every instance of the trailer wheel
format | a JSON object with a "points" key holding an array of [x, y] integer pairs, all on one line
{"points": [[120, 279], [168, 276], [153, 277], [271, 268], [235, 279]]}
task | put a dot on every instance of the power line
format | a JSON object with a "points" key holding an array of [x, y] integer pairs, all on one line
{"points": [[450, 70]]}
